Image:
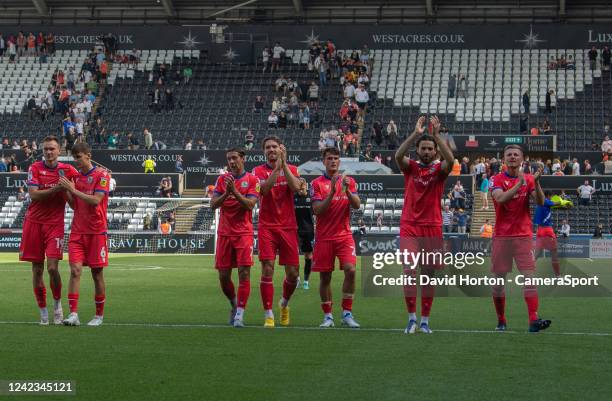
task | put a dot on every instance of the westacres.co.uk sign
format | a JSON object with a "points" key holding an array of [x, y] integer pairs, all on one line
{"points": [[383, 36], [197, 164]]}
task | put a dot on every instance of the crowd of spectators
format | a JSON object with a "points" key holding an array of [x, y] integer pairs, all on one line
{"points": [[27, 45]]}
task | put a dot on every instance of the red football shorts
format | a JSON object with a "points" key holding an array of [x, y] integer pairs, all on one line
{"points": [[546, 238], [507, 249], [89, 249], [326, 251], [271, 242], [233, 251], [426, 239], [38, 240]]}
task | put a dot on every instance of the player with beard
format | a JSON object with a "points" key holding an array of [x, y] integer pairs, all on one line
{"points": [[421, 221], [277, 229]]}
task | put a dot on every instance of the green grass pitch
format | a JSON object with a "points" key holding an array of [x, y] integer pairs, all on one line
{"points": [[164, 339]]}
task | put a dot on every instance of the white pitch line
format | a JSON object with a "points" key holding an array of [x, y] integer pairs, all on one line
{"points": [[315, 328]]}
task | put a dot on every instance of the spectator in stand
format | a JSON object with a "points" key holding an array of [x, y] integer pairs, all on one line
{"points": [[322, 67], [200, 145], [377, 133], [273, 120], [598, 233], [588, 169], [606, 145], [33, 107], [2, 46], [277, 53], [459, 195], [548, 101], [187, 74], [178, 165], [392, 137], [313, 95], [462, 88], [452, 86], [146, 221], [265, 58], [593, 58], [565, 229], [462, 219], [249, 140], [165, 228], [379, 220], [258, 105], [605, 59], [189, 144], [349, 90], [465, 166], [447, 219], [546, 128], [479, 170], [486, 231], [361, 97], [363, 80], [148, 139], [484, 191], [322, 143], [526, 101], [12, 51], [112, 141], [575, 167], [566, 165], [585, 193]]}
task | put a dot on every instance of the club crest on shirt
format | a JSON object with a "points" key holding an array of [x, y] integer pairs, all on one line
{"points": [[103, 182], [61, 173], [244, 184], [89, 179]]}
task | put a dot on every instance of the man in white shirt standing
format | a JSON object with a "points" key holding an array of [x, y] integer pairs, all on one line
{"points": [[277, 52], [575, 167], [565, 229], [362, 97], [585, 193], [349, 90]]}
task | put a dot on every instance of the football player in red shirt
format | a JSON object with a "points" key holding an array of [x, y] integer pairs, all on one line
{"points": [[421, 221], [333, 196], [87, 246], [236, 193], [513, 233], [43, 227], [277, 229]]}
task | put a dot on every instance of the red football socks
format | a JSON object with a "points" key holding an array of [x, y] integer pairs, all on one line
{"points": [[500, 308], [288, 289], [73, 302], [244, 290], [57, 291], [266, 288], [326, 306], [40, 293], [99, 299], [347, 302]]}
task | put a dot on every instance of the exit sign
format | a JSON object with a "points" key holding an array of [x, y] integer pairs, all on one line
{"points": [[513, 140]]}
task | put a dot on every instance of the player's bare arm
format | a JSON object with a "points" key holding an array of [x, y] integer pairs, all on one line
{"points": [[538, 194], [400, 155], [445, 151], [42, 194], [292, 181], [354, 200], [93, 200], [320, 207]]}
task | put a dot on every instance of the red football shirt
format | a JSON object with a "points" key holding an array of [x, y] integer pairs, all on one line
{"points": [[513, 219], [276, 209], [335, 222], [51, 209], [423, 191], [234, 219], [90, 219]]}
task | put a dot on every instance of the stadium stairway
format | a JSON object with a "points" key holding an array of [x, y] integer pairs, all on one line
{"points": [[186, 213], [479, 215]]}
